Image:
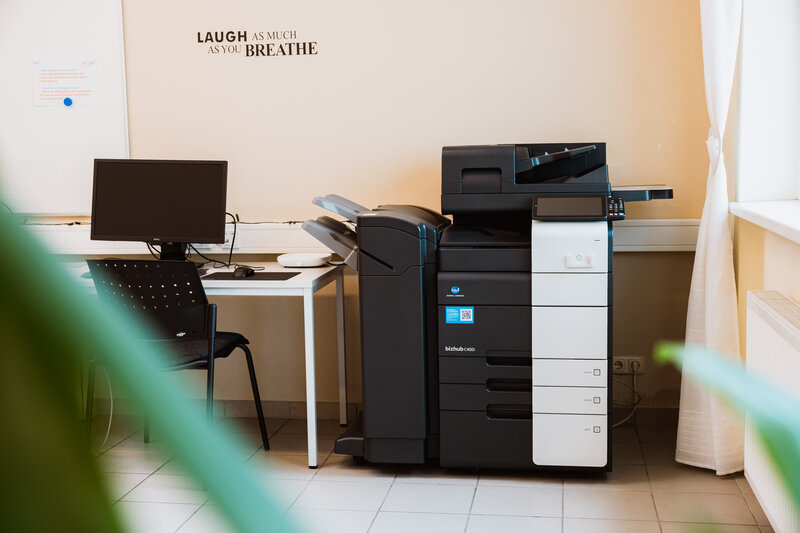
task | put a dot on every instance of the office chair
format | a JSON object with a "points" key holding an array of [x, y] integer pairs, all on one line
{"points": [[169, 296]]}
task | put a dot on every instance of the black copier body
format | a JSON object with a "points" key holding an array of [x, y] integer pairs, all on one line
{"points": [[487, 342]]}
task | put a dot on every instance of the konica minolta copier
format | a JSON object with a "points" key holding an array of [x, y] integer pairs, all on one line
{"points": [[487, 342]]}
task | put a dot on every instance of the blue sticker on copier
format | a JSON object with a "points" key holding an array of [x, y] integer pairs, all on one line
{"points": [[459, 315]]}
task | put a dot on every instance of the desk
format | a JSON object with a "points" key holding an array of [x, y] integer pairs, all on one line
{"points": [[305, 284]]}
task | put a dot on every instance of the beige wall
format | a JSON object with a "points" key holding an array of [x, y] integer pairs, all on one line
{"points": [[764, 261], [651, 294], [392, 84]]}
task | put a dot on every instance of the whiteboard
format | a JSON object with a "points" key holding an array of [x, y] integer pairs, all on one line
{"points": [[46, 147]]}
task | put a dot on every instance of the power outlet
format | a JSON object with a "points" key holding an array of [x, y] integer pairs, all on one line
{"points": [[627, 365]]}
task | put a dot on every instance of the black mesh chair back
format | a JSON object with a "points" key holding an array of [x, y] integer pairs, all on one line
{"points": [[169, 296], [166, 294]]}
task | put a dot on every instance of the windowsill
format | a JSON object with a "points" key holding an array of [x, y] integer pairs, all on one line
{"points": [[781, 217]]}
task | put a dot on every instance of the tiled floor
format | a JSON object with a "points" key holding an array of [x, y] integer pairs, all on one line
{"points": [[646, 492]]}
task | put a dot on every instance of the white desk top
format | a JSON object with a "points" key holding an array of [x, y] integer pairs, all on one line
{"points": [[311, 279]]}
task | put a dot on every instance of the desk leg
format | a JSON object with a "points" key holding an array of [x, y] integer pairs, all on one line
{"points": [[340, 338], [311, 392]]}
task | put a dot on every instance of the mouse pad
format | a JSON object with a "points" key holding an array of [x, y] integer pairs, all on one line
{"points": [[269, 276]]}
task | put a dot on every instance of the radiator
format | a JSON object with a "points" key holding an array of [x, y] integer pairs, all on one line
{"points": [[773, 354]]}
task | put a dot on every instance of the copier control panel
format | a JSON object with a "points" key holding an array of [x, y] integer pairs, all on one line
{"points": [[578, 208]]}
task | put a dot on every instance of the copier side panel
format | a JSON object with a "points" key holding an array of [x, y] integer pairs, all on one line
{"points": [[393, 346]]}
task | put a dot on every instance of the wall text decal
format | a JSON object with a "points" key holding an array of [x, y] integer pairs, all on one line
{"points": [[256, 43]]}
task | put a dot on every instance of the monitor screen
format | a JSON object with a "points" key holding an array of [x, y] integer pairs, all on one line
{"points": [[159, 201]]}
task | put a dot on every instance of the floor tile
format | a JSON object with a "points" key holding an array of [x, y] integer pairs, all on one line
{"points": [[154, 517], [517, 501], [207, 519], [435, 476], [119, 432], [623, 477], [343, 468], [342, 495], [608, 503], [755, 508], [283, 465], [175, 468], [658, 453], [703, 508], [520, 479], [595, 525], [512, 524], [392, 522], [330, 521], [249, 426], [119, 484], [284, 492], [296, 443], [626, 453], [743, 484], [688, 527], [131, 461], [657, 434], [298, 426], [677, 477], [421, 498], [168, 489], [766, 529], [624, 434]]}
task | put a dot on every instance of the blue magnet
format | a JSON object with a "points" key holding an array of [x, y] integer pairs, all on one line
{"points": [[67, 102]]}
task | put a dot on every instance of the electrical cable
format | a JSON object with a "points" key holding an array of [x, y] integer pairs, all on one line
{"points": [[215, 263], [233, 239], [153, 251], [10, 211], [111, 409], [637, 396]]}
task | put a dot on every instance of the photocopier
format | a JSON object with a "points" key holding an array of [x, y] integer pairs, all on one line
{"points": [[486, 342]]}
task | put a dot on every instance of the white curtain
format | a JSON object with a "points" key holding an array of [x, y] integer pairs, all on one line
{"points": [[709, 434]]}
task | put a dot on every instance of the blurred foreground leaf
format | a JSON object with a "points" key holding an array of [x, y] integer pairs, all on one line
{"points": [[774, 413], [49, 326]]}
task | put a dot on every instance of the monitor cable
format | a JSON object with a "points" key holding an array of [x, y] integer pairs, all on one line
{"points": [[233, 239]]}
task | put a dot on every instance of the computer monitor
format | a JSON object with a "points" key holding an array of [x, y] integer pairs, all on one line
{"points": [[163, 202]]}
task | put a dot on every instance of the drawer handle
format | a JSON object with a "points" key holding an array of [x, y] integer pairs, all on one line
{"points": [[508, 361], [509, 412], [509, 385]]}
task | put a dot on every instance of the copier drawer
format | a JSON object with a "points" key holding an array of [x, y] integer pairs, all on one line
{"points": [[570, 440], [570, 332], [570, 289], [569, 246], [570, 400], [455, 397], [493, 328], [477, 370], [570, 372], [472, 439]]}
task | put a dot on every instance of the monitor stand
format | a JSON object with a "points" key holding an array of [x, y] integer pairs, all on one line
{"points": [[173, 251]]}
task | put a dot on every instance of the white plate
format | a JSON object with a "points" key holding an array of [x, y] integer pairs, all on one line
{"points": [[304, 260]]}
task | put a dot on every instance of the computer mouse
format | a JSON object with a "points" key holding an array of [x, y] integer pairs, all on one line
{"points": [[243, 272]]}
